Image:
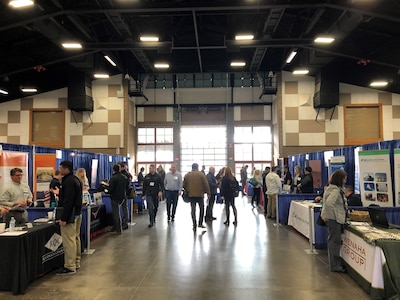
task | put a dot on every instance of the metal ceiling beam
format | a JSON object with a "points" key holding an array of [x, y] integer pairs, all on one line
{"points": [[196, 34]]}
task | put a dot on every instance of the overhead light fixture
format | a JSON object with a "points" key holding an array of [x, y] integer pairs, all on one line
{"points": [[244, 37], [101, 75], [161, 66], [378, 83], [301, 72], [3, 92], [110, 60], [149, 38], [324, 40], [238, 64], [29, 90], [291, 56], [20, 3], [72, 45]]}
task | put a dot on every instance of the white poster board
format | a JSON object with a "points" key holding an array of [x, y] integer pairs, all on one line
{"points": [[397, 176]]}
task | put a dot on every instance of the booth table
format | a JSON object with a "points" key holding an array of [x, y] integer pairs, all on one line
{"points": [[283, 205], [25, 257], [374, 264]]}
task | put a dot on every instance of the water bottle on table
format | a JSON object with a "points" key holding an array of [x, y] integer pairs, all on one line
{"points": [[12, 225]]}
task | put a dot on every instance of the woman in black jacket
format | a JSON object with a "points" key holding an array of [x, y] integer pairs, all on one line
{"points": [[228, 193]]}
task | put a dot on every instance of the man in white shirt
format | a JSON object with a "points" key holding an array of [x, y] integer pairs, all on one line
{"points": [[274, 187]]}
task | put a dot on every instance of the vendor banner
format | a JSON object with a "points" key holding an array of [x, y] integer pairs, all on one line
{"points": [[10, 160], [375, 178], [397, 175], [43, 173]]}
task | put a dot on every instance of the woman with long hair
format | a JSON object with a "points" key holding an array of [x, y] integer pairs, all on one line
{"points": [[81, 174], [334, 211], [228, 194], [256, 189]]}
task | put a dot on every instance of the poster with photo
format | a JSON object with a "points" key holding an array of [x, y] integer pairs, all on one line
{"points": [[396, 153], [375, 178]]}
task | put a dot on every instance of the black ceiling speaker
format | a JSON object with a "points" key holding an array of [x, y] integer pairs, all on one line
{"points": [[326, 89], [79, 91]]}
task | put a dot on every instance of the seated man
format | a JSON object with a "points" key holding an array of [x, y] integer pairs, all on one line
{"points": [[352, 199], [319, 198]]}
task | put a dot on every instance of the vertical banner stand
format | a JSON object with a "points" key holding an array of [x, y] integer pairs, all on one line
{"points": [[132, 204], [88, 219], [311, 231], [277, 211]]}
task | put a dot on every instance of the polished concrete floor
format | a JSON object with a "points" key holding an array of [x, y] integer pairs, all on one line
{"points": [[254, 260]]}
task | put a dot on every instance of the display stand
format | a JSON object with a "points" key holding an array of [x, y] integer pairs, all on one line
{"points": [[311, 230], [89, 217], [277, 224], [131, 213]]}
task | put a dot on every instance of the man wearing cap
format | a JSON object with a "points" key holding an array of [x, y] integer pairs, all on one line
{"points": [[196, 185]]}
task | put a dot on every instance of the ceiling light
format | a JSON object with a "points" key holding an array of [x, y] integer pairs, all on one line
{"points": [[324, 40], [300, 72], [161, 66], [29, 90], [149, 38], [244, 37], [110, 60], [72, 45], [291, 56], [378, 83], [4, 92], [238, 64], [101, 75], [20, 3]]}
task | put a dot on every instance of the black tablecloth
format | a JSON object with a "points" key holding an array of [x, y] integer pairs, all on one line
{"points": [[24, 258]]}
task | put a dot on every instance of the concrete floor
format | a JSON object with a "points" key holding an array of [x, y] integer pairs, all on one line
{"points": [[254, 260]]}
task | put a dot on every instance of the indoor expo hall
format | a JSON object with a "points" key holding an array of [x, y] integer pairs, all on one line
{"points": [[254, 260]]}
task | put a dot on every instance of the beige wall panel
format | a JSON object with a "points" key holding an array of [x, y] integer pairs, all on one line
{"points": [[63, 103], [396, 135], [202, 96], [203, 117], [114, 141], [292, 139], [396, 111], [27, 104], [291, 113], [291, 87], [159, 96], [76, 141], [332, 139], [14, 117], [3, 129], [385, 98], [13, 140], [311, 126], [156, 115], [114, 116], [335, 115], [95, 129], [113, 89], [345, 98], [252, 113], [76, 117]]}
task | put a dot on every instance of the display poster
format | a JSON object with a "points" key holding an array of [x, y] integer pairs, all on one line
{"points": [[93, 173], [10, 160], [397, 176], [316, 172], [336, 163], [44, 172], [375, 178]]}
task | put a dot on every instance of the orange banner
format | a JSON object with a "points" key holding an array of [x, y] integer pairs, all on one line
{"points": [[43, 171]]}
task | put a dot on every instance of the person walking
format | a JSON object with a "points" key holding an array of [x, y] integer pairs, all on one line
{"points": [[213, 184], [153, 187], [256, 189], [228, 193], [196, 185], [243, 178], [173, 188], [274, 187]]}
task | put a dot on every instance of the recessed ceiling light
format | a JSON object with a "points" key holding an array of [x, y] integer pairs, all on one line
{"points": [[301, 72], [72, 45], [20, 3], [324, 40], [378, 83], [4, 92], [238, 64], [110, 60], [244, 37], [101, 75], [29, 90], [149, 38], [291, 56], [161, 66]]}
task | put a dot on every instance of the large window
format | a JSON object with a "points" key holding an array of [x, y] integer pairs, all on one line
{"points": [[253, 147], [155, 146], [203, 145]]}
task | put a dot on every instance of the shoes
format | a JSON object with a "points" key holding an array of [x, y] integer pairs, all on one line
{"points": [[201, 226], [194, 228], [150, 225], [173, 219], [169, 219], [234, 223], [65, 271], [213, 218], [116, 232], [339, 270], [226, 223], [125, 227], [78, 267]]}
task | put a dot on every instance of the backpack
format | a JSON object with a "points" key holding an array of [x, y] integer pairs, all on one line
{"points": [[235, 187], [253, 182]]}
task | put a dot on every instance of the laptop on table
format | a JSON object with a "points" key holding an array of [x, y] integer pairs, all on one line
{"points": [[378, 218]]}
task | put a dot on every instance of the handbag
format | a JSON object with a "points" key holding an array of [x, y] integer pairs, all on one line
{"points": [[185, 196], [320, 222]]}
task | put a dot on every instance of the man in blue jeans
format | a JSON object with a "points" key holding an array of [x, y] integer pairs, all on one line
{"points": [[153, 187], [173, 187]]}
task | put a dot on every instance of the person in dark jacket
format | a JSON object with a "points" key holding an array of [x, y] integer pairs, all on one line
{"points": [[352, 199], [306, 185], [153, 187], [119, 185], [123, 166], [227, 193], [70, 199], [55, 182], [213, 184]]}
